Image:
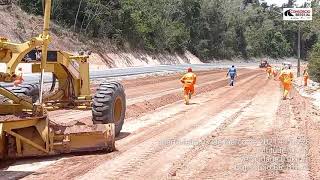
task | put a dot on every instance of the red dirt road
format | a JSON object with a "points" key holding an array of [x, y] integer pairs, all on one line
{"points": [[241, 132]]}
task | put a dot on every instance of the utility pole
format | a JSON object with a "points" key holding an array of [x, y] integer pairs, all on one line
{"points": [[298, 14], [299, 50]]}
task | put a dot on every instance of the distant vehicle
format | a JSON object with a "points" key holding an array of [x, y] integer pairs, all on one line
{"points": [[263, 64], [289, 64]]}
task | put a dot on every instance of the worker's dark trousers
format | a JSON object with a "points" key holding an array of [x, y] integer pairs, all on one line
{"points": [[231, 80]]}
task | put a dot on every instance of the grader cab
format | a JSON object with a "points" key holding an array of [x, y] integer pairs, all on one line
{"points": [[25, 126]]}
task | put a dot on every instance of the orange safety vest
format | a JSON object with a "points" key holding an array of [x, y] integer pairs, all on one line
{"points": [[269, 69], [189, 79], [306, 75], [286, 76]]}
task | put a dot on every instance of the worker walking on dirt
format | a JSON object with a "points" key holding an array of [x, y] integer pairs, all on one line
{"points": [[286, 78], [19, 77], [269, 71], [275, 72], [232, 72], [188, 80], [305, 77]]}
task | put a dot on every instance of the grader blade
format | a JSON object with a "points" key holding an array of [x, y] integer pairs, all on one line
{"points": [[23, 136], [84, 138]]}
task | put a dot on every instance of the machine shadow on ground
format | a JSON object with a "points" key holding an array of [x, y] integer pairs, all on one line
{"points": [[122, 135], [15, 174], [192, 104]]}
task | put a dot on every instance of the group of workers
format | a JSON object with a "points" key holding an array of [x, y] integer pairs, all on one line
{"points": [[272, 72], [285, 75], [286, 78], [190, 78]]}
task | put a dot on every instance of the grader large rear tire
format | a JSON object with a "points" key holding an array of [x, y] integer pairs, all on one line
{"points": [[109, 105], [29, 92]]}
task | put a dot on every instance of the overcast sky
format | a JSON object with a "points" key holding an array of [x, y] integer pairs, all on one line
{"points": [[280, 2]]}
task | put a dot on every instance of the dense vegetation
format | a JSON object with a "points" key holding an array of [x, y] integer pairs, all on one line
{"points": [[314, 62], [208, 28]]}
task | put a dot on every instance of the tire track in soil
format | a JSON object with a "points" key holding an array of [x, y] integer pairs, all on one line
{"points": [[149, 132], [154, 80], [153, 149], [208, 140], [213, 162], [151, 79], [144, 106], [143, 90], [144, 93], [93, 160], [291, 115], [290, 134], [312, 126], [139, 109]]}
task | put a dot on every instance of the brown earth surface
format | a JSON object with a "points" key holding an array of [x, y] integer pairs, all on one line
{"points": [[241, 132]]}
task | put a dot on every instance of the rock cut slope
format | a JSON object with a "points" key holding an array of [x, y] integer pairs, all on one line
{"points": [[19, 26]]}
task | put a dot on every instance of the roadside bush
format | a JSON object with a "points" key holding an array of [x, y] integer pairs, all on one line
{"points": [[314, 63]]}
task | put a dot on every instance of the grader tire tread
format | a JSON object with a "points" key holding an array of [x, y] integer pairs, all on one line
{"points": [[104, 102], [29, 92]]}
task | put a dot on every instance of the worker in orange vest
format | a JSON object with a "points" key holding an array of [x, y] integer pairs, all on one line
{"points": [[188, 80], [275, 72], [305, 77], [269, 71], [19, 77], [286, 78]]}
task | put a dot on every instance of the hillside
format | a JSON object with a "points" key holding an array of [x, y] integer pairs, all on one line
{"points": [[19, 26]]}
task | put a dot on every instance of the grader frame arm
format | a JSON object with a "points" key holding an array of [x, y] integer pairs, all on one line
{"points": [[27, 130]]}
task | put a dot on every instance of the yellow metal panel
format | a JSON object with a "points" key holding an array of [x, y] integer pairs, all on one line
{"points": [[23, 123], [43, 129], [31, 135], [16, 99], [10, 109], [85, 79], [27, 141], [18, 52], [36, 68], [45, 34], [100, 137]]}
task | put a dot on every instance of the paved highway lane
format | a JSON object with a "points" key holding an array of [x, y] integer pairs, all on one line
{"points": [[131, 71]]}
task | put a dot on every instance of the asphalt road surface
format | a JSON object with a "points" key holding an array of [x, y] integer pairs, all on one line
{"points": [[131, 71]]}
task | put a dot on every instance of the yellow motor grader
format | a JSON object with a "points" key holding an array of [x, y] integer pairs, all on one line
{"points": [[26, 129]]}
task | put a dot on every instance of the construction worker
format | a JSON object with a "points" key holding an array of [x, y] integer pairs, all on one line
{"points": [[38, 55], [269, 71], [188, 80], [19, 77], [286, 78], [305, 77], [275, 72], [232, 72]]}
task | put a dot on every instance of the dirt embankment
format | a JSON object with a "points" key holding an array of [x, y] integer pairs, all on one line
{"points": [[18, 26]]}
